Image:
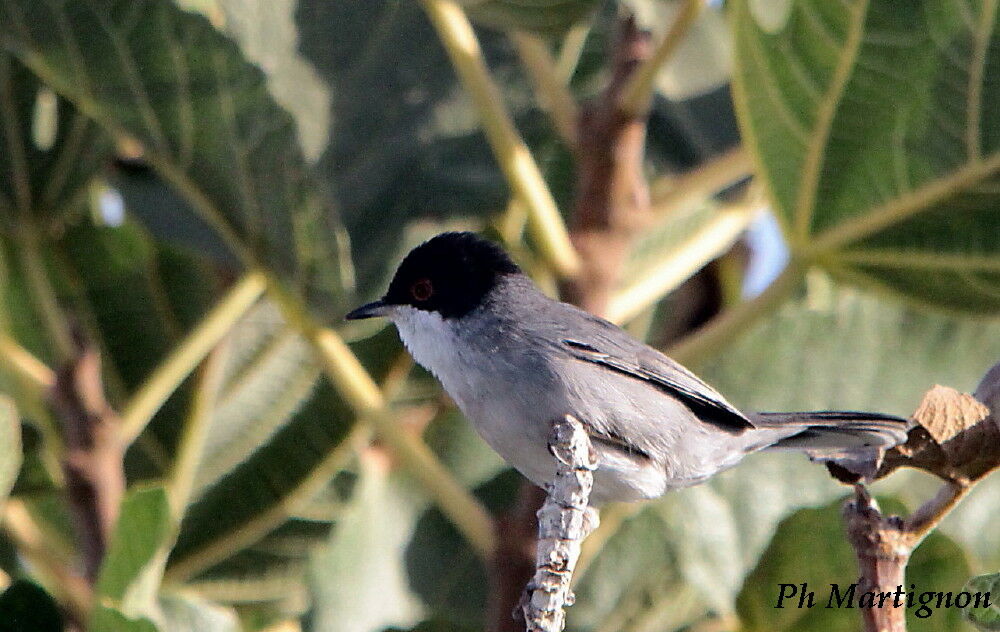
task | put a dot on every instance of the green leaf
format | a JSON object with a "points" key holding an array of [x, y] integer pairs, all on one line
{"points": [[137, 299], [544, 16], [876, 132], [269, 373], [204, 118], [280, 433], [190, 613], [25, 607], [130, 573], [107, 619], [50, 150], [425, 163], [10, 446], [810, 547], [359, 580], [982, 616]]}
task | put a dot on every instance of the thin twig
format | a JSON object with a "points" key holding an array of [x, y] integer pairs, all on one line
{"points": [[185, 357], [192, 442], [94, 453], [516, 161], [931, 513], [550, 87], [638, 94], [572, 49]]}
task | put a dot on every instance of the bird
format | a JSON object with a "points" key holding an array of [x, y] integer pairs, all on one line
{"points": [[514, 360]]}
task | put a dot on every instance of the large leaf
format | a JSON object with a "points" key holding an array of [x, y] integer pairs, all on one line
{"points": [[133, 563], [412, 150], [984, 617], [876, 129], [360, 581], [50, 150], [545, 16], [247, 535], [204, 118]]}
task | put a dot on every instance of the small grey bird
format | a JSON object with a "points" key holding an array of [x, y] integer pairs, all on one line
{"points": [[514, 360]]}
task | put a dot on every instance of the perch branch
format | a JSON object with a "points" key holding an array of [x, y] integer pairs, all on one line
{"points": [[881, 547], [611, 202], [564, 521]]}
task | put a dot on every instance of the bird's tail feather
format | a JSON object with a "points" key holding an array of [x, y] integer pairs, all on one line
{"points": [[833, 431]]}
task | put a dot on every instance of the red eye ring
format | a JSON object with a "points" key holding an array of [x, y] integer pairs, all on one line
{"points": [[422, 289]]}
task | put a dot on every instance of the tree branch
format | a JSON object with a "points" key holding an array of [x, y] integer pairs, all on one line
{"points": [[882, 551], [93, 458]]}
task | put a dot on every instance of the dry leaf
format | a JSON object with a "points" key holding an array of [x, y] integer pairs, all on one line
{"points": [[956, 437], [945, 412]]}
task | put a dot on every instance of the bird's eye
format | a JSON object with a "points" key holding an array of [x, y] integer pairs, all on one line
{"points": [[422, 290]]}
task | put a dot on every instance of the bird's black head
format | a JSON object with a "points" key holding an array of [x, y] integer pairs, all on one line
{"points": [[449, 274]]}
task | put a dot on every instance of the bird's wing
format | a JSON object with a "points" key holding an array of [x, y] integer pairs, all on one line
{"points": [[617, 351]]}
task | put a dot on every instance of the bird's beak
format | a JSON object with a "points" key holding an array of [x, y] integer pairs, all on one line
{"points": [[371, 310]]}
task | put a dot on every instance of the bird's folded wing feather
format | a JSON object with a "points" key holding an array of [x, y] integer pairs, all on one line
{"points": [[632, 358]]}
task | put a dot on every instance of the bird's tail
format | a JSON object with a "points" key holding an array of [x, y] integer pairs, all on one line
{"points": [[836, 432]]}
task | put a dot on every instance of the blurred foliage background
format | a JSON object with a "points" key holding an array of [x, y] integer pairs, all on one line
{"points": [[194, 193]]}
